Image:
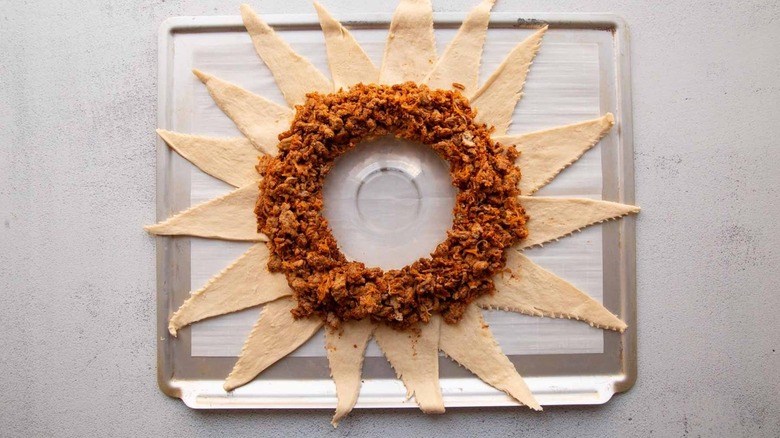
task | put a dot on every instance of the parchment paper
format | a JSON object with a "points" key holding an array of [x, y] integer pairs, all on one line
{"points": [[563, 87]]}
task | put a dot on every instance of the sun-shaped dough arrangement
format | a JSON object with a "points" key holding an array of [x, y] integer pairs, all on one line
{"points": [[409, 56]]}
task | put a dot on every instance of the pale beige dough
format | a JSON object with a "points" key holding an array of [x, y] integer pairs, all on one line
{"points": [[553, 218], [410, 50], [496, 99], [415, 359], [471, 343], [532, 290], [228, 159], [246, 283], [346, 347], [294, 74], [259, 119], [544, 154], [349, 64], [461, 59], [275, 335], [229, 217]]}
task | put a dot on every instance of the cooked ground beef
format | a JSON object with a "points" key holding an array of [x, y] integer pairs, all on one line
{"points": [[487, 217]]}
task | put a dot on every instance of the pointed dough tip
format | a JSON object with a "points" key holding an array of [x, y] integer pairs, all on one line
{"points": [[590, 212], [199, 220], [245, 9], [346, 353], [158, 229], [252, 20], [229, 385], [472, 345], [326, 19], [203, 76], [338, 416], [571, 233], [538, 35], [232, 382], [433, 409]]}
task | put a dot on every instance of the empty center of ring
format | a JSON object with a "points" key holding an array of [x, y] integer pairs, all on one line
{"points": [[389, 202], [388, 199]]}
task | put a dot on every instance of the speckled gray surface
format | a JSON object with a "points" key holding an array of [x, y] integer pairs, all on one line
{"points": [[77, 166]]}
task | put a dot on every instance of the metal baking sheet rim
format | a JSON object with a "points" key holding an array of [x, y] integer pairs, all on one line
{"points": [[576, 390]]}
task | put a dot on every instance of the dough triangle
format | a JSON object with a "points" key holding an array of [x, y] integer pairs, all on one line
{"points": [[230, 217], [461, 59], [295, 75], [346, 347], [410, 50], [471, 344], [259, 119], [349, 63], [532, 290], [275, 335], [415, 359], [553, 218], [244, 284], [544, 154], [231, 160], [496, 100]]}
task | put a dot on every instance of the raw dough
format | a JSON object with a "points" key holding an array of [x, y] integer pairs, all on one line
{"points": [[256, 117], [471, 343], [275, 335], [553, 218], [461, 59], [227, 159], [532, 290], [415, 359], [544, 154], [229, 217], [496, 100], [410, 50], [294, 74], [346, 347], [349, 63], [244, 284]]}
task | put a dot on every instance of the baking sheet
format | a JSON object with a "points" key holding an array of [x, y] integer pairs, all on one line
{"points": [[576, 76]]}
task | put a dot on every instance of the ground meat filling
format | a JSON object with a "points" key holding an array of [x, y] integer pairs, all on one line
{"points": [[487, 217]]}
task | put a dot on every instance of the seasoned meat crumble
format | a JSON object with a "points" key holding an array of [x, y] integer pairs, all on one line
{"points": [[487, 217]]}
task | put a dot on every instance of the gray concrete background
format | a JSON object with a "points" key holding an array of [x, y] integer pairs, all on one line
{"points": [[77, 164]]}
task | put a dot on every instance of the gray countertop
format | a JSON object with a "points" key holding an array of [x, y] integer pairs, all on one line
{"points": [[78, 108]]}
